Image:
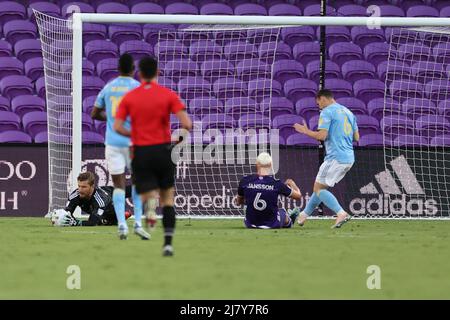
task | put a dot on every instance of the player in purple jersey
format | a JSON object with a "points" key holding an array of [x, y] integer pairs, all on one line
{"points": [[260, 191]]}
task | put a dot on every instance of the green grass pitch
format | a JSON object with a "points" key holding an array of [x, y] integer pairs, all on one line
{"points": [[219, 259]]}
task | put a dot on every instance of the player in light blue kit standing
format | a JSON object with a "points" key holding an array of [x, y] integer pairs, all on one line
{"points": [[117, 152], [338, 129]]}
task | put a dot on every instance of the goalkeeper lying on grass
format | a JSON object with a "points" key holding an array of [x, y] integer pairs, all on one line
{"points": [[93, 201], [260, 191]]}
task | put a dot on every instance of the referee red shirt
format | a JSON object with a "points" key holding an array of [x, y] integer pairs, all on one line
{"points": [[149, 107]]}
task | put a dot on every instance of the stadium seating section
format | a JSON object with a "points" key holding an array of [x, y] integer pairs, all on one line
{"points": [[356, 68]]}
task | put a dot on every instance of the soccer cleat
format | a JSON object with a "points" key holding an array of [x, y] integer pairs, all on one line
{"points": [[293, 213], [341, 220], [167, 251], [302, 219], [123, 233], [142, 233]]}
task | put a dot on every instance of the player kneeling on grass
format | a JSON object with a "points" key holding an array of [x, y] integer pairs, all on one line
{"points": [[260, 191], [93, 201]]}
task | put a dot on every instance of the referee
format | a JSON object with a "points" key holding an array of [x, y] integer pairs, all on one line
{"points": [[149, 107]]}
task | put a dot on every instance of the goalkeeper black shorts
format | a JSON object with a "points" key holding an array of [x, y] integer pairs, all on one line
{"points": [[152, 167]]}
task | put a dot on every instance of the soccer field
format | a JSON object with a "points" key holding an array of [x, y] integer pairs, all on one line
{"points": [[219, 259]]}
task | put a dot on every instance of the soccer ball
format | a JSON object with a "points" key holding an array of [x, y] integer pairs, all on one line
{"points": [[57, 216]]}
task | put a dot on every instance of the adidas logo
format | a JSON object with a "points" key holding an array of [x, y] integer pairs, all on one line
{"points": [[409, 197]]}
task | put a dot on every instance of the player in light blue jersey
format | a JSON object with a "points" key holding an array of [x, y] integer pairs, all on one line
{"points": [[338, 129], [117, 147]]}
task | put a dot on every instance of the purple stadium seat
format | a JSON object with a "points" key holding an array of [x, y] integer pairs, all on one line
{"points": [[413, 140], [40, 87], [302, 4], [336, 34], [294, 35], [88, 67], [5, 49], [444, 108], [169, 83], [181, 8], [111, 7], [93, 31], [235, 107], [41, 137], [14, 136], [376, 52], [107, 69], [313, 70], [284, 70], [138, 49], [371, 140], [170, 50], [314, 10], [238, 50], [441, 53], [35, 122], [376, 107], [226, 88], [13, 86], [152, 31], [88, 104], [343, 51], [411, 52], [438, 89], [216, 9], [10, 66], [357, 106], [260, 89], [367, 124], [252, 121], [249, 69], [363, 35], [218, 121], [440, 4], [391, 11], [284, 10], [100, 127], [285, 123], [340, 88], [204, 50], [307, 108], [205, 105], [215, 69], [422, 11], [45, 7], [91, 137], [17, 30], [250, 9], [432, 125], [296, 89], [5, 105], [194, 87], [353, 10], [442, 140], [396, 70], [298, 139], [92, 85], [354, 70], [396, 125], [69, 8], [120, 33], [445, 12], [368, 89], [9, 121], [97, 50], [27, 49], [305, 52], [34, 68], [276, 106], [11, 10], [65, 121], [180, 68], [416, 107], [147, 8], [266, 51]]}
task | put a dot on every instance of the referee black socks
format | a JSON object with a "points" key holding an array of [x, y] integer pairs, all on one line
{"points": [[168, 221]]}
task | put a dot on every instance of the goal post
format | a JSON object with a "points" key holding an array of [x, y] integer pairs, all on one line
{"points": [[73, 31]]}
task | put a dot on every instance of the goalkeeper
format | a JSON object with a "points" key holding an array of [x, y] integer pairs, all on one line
{"points": [[93, 201]]}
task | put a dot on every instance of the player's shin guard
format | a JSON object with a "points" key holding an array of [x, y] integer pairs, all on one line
{"points": [[168, 221], [330, 200], [312, 204], [137, 203], [119, 206]]}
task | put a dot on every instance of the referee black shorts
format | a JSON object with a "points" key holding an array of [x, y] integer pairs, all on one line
{"points": [[152, 167]]}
